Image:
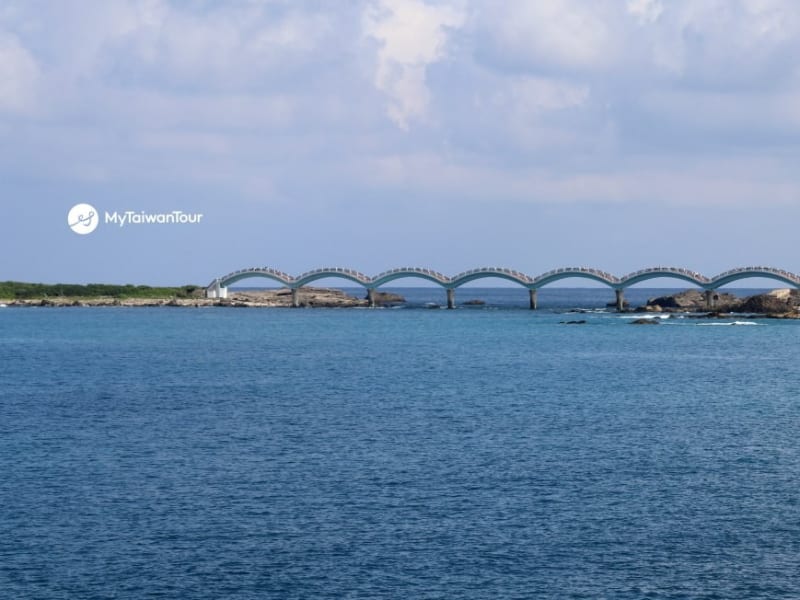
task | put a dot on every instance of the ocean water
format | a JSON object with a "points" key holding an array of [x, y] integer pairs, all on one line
{"points": [[392, 453]]}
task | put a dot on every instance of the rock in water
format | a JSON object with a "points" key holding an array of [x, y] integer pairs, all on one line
{"points": [[766, 303], [777, 302], [387, 298], [646, 322], [692, 301]]}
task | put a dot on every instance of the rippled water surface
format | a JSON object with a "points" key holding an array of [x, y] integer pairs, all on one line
{"points": [[474, 453]]}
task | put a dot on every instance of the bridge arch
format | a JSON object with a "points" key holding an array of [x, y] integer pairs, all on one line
{"points": [[403, 272], [692, 277], [324, 273], [484, 272], [781, 275], [264, 272], [583, 272]]}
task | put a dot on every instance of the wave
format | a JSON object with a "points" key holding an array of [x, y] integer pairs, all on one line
{"points": [[733, 323]]}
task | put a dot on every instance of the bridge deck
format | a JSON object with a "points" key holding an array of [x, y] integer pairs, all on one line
{"points": [[529, 281]]}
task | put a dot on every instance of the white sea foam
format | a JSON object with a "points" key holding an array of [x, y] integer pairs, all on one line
{"points": [[733, 323]]}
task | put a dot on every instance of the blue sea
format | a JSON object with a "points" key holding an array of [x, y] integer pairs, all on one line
{"points": [[483, 452]]}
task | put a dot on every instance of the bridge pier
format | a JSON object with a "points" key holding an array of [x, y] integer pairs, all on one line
{"points": [[532, 298], [371, 297], [217, 291], [451, 298], [709, 299], [295, 297], [620, 293]]}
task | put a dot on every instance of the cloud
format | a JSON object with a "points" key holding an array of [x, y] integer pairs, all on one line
{"points": [[233, 47], [558, 34], [412, 35], [706, 181], [721, 44], [645, 11], [19, 75], [529, 114], [515, 100]]}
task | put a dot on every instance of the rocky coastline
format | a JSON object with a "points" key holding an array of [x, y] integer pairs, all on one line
{"points": [[308, 297], [776, 304]]}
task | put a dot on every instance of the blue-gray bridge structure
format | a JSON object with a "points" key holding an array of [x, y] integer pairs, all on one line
{"points": [[219, 287]]}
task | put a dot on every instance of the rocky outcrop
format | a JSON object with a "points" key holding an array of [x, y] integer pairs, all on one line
{"points": [[774, 303], [307, 297], [387, 298], [690, 301], [767, 303], [108, 301]]}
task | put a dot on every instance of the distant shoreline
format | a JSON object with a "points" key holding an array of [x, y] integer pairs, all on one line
{"points": [[153, 297], [774, 304], [13, 291]]}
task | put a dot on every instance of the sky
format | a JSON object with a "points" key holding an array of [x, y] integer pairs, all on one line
{"points": [[382, 133]]}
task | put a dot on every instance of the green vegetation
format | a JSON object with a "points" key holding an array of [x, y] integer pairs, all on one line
{"points": [[19, 290]]}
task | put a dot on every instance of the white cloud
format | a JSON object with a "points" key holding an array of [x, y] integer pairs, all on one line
{"points": [[555, 34], [645, 11], [412, 35], [169, 45], [720, 42], [525, 109], [19, 74], [534, 100], [234, 47]]}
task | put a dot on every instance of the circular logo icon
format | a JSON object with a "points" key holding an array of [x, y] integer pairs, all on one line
{"points": [[83, 218]]}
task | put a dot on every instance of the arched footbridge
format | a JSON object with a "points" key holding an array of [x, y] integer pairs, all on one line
{"points": [[219, 287]]}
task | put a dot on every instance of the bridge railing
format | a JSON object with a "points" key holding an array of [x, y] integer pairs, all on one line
{"points": [[335, 270], [413, 270], [519, 275], [668, 270], [604, 275], [513, 273], [756, 270]]}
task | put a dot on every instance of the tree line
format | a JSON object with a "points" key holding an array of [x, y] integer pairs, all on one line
{"points": [[22, 290]]}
